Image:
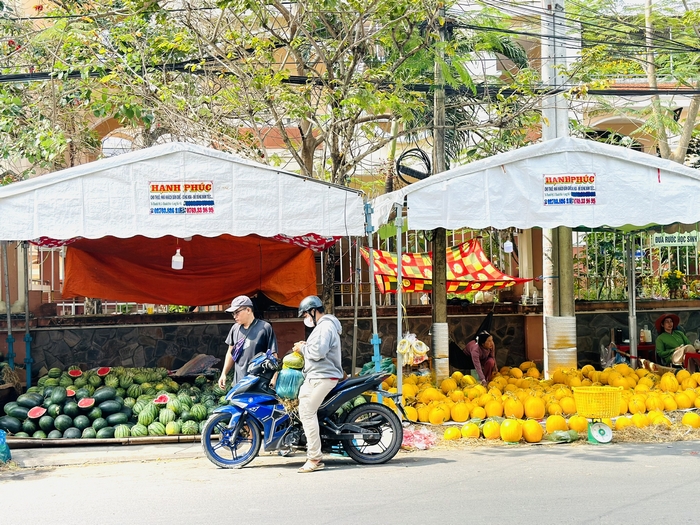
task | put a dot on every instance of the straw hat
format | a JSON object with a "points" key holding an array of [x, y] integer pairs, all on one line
{"points": [[676, 321]]}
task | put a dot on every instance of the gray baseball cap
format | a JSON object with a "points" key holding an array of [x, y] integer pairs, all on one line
{"points": [[241, 300]]}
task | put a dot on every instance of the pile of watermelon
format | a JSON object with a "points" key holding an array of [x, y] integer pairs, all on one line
{"points": [[111, 403]]}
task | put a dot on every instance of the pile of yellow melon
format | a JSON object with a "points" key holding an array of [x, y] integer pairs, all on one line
{"points": [[519, 395]]}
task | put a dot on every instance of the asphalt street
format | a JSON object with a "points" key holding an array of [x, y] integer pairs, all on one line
{"points": [[176, 484]]}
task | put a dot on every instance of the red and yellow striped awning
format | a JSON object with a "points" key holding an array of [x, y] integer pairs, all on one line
{"points": [[468, 270]]}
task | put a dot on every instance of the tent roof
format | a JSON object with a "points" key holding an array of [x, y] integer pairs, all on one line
{"points": [[116, 196], [509, 190]]}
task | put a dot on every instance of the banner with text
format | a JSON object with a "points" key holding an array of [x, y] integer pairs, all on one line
{"points": [[181, 197], [675, 239], [569, 189]]}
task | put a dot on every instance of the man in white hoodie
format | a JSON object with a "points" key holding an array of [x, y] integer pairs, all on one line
{"points": [[322, 371]]}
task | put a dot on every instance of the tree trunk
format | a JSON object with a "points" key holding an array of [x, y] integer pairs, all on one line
{"points": [[329, 262]]}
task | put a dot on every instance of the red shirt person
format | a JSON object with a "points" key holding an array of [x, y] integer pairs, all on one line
{"points": [[483, 353]]}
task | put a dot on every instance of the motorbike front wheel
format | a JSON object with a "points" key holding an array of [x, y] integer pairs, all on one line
{"points": [[228, 451], [382, 420]]}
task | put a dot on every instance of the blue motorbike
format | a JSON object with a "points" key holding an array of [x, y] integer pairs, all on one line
{"points": [[370, 433]]}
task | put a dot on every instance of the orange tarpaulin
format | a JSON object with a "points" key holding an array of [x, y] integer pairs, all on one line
{"points": [[468, 270], [216, 269]]}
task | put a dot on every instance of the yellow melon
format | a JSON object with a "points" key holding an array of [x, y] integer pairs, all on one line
{"points": [[682, 401], [491, 429], [511, 430], [423, 414], [457, 396], [438, 415], [554, 408], [532, 431], [411, 413], [534, 407], [555, 422], [494, 408], [448, 385], [460, 412], [578, 423], [513, 407], [640, 420], [478, 412], [471, 430], [568, 405], [691, 419], [457, 376], [452, 433], [622, 422]]}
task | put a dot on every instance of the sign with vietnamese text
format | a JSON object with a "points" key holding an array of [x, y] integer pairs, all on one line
{"points": [[569, 189], [181, 197], [675, 239]]}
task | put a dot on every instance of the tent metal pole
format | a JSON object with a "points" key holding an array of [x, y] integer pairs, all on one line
{"points": [[8, 304], [631, 301], [376, 341], [27, 336], [358, 259], [399, 297]]}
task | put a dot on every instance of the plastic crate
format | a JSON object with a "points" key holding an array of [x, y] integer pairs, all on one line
{"points": [[597, 402]]}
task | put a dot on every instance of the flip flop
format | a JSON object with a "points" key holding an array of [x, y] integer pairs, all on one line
{"points": [[310, 466]]}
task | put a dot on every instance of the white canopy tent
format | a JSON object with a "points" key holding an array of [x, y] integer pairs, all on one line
{"points": [[156, 191], [560, 182]]}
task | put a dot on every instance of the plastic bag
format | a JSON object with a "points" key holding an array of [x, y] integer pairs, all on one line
{"points": [[288, 383], [421, 438], [562, 436], [5, 455], [607, 355], [386, 365]]}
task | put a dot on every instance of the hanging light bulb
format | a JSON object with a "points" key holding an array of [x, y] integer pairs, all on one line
{"points": [[177, 261], [508, 247]]}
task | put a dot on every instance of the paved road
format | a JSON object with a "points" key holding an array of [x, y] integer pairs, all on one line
{"points": [[559, 484]]}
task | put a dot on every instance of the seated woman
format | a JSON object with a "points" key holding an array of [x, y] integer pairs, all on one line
{"points": [[483, 352], [672, 344]]}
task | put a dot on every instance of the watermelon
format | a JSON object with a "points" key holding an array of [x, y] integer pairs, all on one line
{"points": [[72, 433], [166, 416], [118, 418], [55, 434], [29, 426], [63, 422], [121, 432], [175, 405], [162, 399], [110, 407], [199, 412], [81, 393], [19, 412], [81, 422], [9, 406], [86, 403], [129, 402], [134, 391], [94, 381], [101, 372], [54, 410], [186, 416], [40, 434], [156, 429], [58, 395], [55, 373], [146, 418], [46, 423], [36, 413], [80, 382], [21, 435], [99, 424], [104, 393], [30, 400], [71, 409], [139, 430], [89, 433], [94, 414], [190, 428], [172, 428], [75, 372], [105, 433]]}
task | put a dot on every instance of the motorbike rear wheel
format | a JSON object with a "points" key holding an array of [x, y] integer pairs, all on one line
{"points": [[225, 450], [377, 418]]}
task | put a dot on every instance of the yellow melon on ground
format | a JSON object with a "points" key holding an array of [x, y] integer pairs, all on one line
{"points": [[438, 415], [471, 430], [578, 423], [452, 433], [555, 422], [682, 401], [622, 422], [411, 413], [423, 414], [491, 430], [511, 431], [513, 407], [554, 409], [534, 407], [640, 420], [460, 412], [494, 408], [532, 431], [478, 412], [691, 419]]}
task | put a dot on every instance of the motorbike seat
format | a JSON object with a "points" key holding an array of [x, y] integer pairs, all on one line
{"points": [[349, 382]]}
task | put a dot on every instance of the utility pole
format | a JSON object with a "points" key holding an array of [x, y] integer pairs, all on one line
{"points": [[440, 336], [557, 250]]}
